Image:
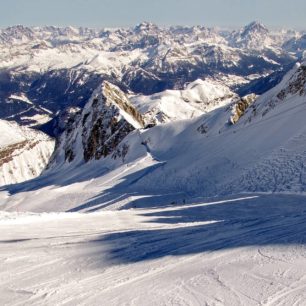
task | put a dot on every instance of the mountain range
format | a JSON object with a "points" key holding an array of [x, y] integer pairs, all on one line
{"points": [[44, 71]]}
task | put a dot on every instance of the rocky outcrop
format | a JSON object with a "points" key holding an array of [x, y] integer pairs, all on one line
{"points": [[96, 132], [241, 106], [297, 84], [291, 90]]}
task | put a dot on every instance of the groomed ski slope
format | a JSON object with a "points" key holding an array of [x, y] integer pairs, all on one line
{"points": [[244, 250]]}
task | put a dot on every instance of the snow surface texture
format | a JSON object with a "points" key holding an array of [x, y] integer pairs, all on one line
{"points": [[24, 153], [246, 250]]}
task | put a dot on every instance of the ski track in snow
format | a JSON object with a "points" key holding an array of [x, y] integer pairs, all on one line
{"points": [[238, 251]]}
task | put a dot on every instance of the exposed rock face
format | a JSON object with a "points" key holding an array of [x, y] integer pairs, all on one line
{"points": [[292, 89], [241, 106], [296, 84], [96, 132]]}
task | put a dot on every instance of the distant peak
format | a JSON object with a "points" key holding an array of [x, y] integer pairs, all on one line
{"points": [[17, 27], [255, 26], [145, 26]]}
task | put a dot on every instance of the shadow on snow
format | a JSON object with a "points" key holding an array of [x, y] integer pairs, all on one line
{"points": [[258, 221]]}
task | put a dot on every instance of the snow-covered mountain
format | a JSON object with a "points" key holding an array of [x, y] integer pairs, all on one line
{"points": [[253, 36], [200, 96], [110, 115], [296, 44], [24, 153], [106, 90], [45, 70], [244, 146]]}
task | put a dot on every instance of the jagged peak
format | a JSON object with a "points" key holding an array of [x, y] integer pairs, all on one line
{"points": [[17, 31], [107, 95], [114, 95], [145, 26], [107, 118], [253, 29], [253, 36], [16, 27]]}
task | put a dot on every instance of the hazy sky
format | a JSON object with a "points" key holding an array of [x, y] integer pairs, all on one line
{"points": [[101, 13]]}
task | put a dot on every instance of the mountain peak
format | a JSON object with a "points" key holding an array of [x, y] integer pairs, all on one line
{"points": [[255, 27], [145, 26], [17, 32], [253, 36], [96, 132]]}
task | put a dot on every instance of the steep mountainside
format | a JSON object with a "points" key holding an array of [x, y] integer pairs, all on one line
{"points": [[97, 131], [24, 153], [263, 149], [110, 115], [296, 44]]}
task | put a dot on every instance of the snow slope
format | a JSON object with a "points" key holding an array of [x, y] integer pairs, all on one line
{"points": [[246, 250], [9, 134], [24, 153]]}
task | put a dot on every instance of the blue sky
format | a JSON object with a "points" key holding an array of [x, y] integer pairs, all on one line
{"points": [[101, 13]]}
